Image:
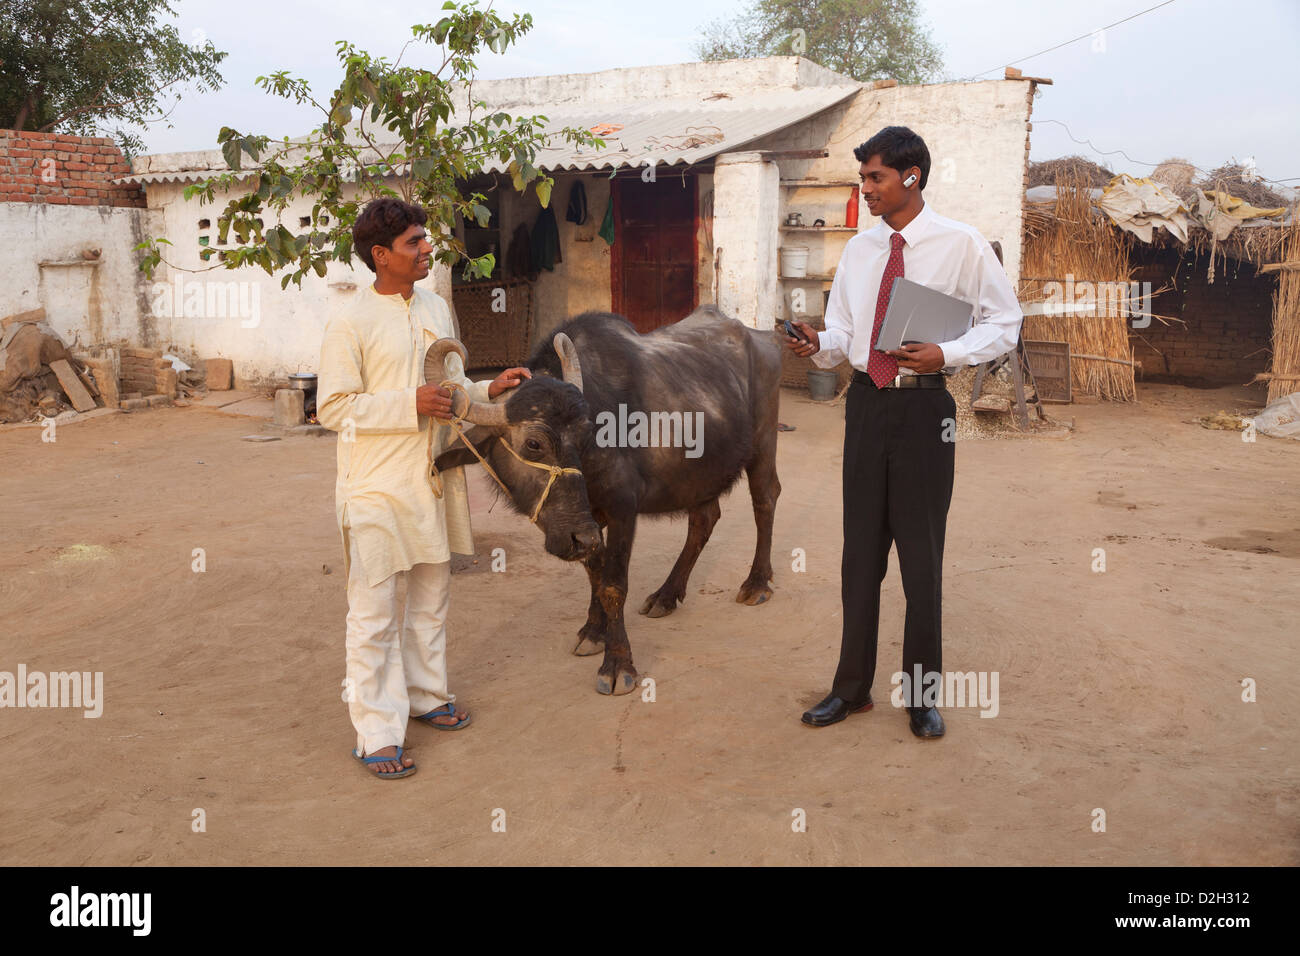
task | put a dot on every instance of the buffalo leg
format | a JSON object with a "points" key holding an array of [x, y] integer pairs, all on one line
{"points": [[591, 638], [664, 601], [764, 489], [616, 674]]}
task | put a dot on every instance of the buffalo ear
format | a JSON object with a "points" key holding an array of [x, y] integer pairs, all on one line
{"points": [[460, 455]]}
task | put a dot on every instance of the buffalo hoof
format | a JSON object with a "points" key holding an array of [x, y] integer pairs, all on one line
{"points": [[753, 593], [659, 604], [622, 682], [588, 646]]}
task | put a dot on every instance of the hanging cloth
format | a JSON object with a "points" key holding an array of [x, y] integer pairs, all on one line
{"points": [[546, 240], [607, 226], [577, 211]]}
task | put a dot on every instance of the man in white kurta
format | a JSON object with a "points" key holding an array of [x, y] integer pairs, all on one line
{"points": [[392, 518]]}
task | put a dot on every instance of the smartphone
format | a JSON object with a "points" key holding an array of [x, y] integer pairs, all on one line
{"points": [[794, 332]]}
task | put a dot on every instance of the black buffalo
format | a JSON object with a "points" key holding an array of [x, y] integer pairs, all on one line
{"points": [[725, 376]]}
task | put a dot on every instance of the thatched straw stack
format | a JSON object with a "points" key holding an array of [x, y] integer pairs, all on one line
{"points": [[1286, 323], [1229, 179], [1073, 168], [1077, 242], [1178, 173]]}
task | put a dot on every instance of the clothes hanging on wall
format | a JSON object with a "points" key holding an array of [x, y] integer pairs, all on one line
{"points": [[519, 260], [607, 225], [577, 212], [546, 240]]}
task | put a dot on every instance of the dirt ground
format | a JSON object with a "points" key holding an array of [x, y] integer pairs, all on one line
{"points": [[1118, 690]]}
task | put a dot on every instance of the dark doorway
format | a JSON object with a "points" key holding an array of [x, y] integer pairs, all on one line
{"points": [[653, 261]]}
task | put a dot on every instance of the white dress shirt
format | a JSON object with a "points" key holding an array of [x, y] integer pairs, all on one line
{"points": [[943, 254]]}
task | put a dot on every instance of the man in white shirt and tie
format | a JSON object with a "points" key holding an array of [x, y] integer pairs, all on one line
{"points": [[900, 419]]}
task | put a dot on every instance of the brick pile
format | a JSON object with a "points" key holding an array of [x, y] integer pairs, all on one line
{"points": [[147, 372], [60, 169]]}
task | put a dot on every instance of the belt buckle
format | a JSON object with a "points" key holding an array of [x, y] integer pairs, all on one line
{"points": [[898, 380]]}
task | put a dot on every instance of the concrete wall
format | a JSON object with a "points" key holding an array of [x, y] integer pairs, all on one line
{"points": [[243, 314], [654, 82], [87, 301], [58, 201], [976, 134], [745, 236]]}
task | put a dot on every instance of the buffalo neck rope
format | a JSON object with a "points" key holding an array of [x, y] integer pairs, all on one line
{"points": [[435, 479]]}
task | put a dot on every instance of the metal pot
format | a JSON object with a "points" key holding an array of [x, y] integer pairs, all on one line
{"points": [[305, 382]]}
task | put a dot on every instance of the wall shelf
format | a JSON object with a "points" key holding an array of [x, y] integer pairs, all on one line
{"points": [[815, 183], [811, 277], [819, 228]]}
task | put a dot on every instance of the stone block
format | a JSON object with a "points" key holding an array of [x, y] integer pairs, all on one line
{"points": [[289, 407], [106, 382], [156, 401], [165, 380], [131, 404], [221, 374]]}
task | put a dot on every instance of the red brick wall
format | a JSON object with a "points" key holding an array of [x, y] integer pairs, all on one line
{"points": [[67, 170], [1229, 325]]}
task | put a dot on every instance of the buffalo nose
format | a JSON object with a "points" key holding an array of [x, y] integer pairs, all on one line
{"points": [[586, 541]]}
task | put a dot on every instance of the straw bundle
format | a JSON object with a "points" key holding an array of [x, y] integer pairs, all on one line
{"points": [[1286, 323], [1052, 171], [1177, 173], [1078, 242]]}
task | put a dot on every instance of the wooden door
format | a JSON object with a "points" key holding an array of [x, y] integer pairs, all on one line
{"points": [[653, 262]]}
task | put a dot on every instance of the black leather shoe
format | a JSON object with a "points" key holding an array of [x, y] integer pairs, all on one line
{"points": [[834, 709], [926, 721]]}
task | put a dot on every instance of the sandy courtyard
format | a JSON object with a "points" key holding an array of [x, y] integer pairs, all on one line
{"points": [[1119, 690]]}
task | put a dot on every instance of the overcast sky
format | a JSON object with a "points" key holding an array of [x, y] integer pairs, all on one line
{"points": [[1205, 79]]}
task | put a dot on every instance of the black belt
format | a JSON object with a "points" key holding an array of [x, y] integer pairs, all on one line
{"points": [[933, 380]]}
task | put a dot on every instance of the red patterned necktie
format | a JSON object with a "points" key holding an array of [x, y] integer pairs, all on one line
{"points": [[880, 366]]}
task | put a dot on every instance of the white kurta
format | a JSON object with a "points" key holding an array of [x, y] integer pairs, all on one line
{"points": [[372, 361]]}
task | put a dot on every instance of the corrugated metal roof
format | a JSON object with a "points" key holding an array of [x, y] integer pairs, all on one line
{"points": [[177, 176], [674, 131], [667, 131]]}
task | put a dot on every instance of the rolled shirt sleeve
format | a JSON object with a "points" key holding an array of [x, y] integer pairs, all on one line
{"points": [[996, 330], [342, 396]]}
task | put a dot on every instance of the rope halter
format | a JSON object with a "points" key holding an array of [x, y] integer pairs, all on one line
{"points": [[435, 479]]}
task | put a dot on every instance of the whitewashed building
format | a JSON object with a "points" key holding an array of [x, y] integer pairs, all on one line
{"points": [[704, 163]]}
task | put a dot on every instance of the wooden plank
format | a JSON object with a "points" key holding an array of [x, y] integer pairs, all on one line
{"points": [[72, 386], [794, 153]]}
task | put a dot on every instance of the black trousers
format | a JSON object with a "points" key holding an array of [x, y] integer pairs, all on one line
{"points": [[898, 471]]}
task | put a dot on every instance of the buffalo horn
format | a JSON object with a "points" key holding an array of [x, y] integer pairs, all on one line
{"points": [[568, 354]]}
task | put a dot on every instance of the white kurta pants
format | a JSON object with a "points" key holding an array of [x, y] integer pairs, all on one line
{"points": [[396, 664]]}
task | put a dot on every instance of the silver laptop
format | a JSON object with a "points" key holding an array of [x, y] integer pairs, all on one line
{"points": [[920, 314]]}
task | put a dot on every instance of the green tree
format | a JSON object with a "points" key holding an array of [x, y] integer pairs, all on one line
{"points": [[79, 66], [386, 131], [864, 39]]}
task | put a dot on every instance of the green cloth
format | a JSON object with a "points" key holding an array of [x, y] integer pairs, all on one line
{"points": [[607, 226]]}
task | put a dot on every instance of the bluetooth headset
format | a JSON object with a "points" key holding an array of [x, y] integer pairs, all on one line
{"points": [[907, 183]]}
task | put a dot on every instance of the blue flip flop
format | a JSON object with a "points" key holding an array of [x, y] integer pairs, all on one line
{"points": [[446, 710], [386, 775]]}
